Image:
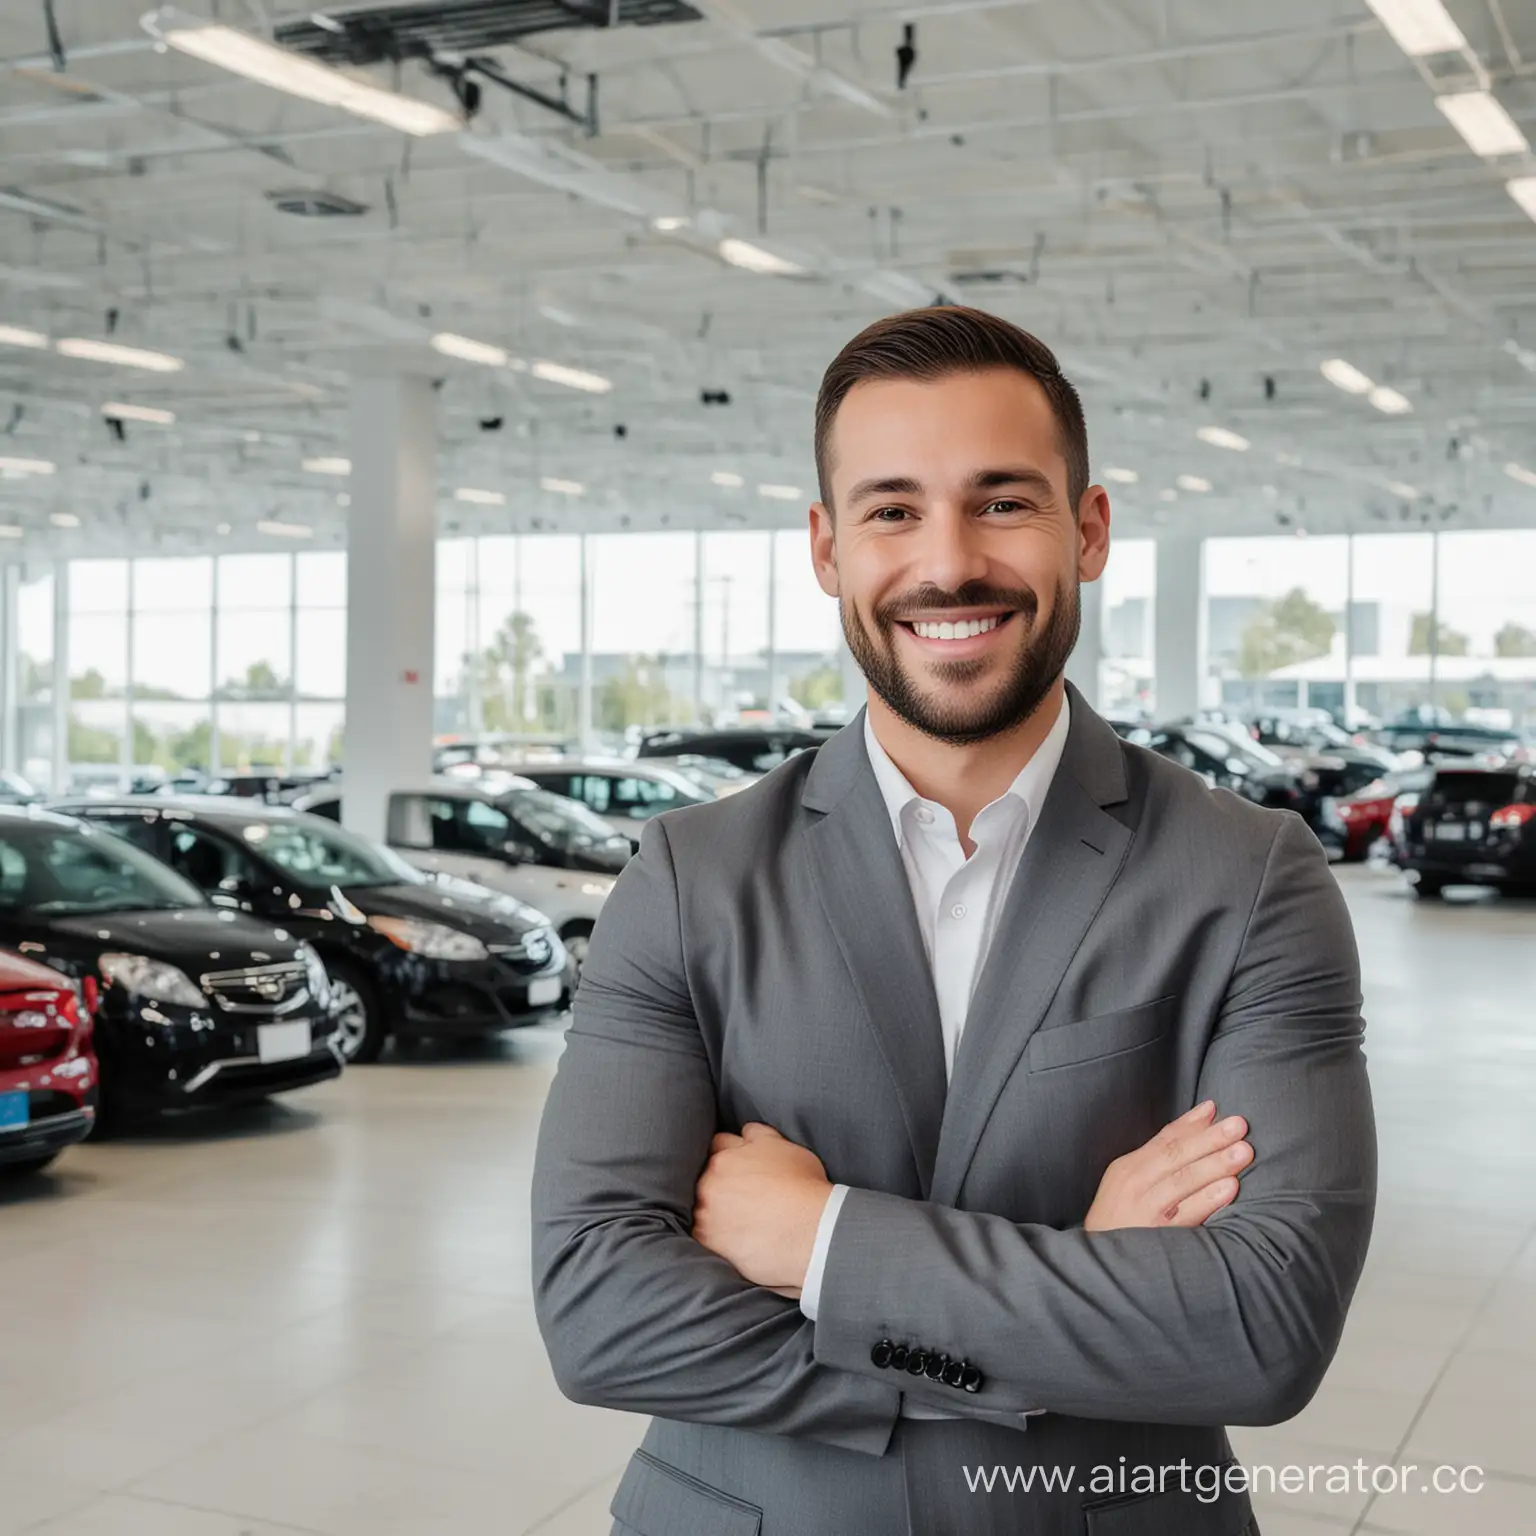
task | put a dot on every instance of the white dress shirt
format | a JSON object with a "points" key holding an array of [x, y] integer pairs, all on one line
{"points": [[958, 901]]}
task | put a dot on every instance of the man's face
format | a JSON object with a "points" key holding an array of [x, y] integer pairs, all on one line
{"points": [[953, 550]]}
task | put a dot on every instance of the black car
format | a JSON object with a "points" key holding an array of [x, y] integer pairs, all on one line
{"points": [[1231, 762], [408, 956], [1473, 825], [755, 749], [1457, 740], [197, 1005]]}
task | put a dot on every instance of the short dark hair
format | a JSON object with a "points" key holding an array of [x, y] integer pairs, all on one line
{"points": [[945, 339]]}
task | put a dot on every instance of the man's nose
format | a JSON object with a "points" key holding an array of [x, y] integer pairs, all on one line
{"points": [[951, 551]]}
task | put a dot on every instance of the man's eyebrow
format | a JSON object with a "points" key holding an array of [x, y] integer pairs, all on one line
{"points": [[891, 485], [991, 479]]}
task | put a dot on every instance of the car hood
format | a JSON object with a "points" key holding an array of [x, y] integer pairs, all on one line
{"points": [[195, 939], [489, 915]]}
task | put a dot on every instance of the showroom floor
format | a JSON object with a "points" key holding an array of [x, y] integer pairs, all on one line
{"points": [[315, 1317]]}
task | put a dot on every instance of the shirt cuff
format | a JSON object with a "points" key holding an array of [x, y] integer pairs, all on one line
{"points": [[810, 1292]]}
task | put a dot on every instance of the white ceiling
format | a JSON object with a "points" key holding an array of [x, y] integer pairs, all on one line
{"points": [[1179, 195]]}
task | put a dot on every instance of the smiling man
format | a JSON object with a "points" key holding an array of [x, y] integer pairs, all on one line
{"points": [[963, 1125]]}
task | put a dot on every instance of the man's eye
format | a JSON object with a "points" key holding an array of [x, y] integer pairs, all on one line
{"points": [[1004, 504], [888, 514]]}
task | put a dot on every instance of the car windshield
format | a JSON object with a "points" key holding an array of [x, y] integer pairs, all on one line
{"points": [[1236, 742], [48, 870], [318, 855], [555, 818]]}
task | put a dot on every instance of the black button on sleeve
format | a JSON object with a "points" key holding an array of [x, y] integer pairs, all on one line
{"points": [[917, 1362], [971, 1379], [936, 1366], [899, 1358], [880, 1355], [954, 1373]]}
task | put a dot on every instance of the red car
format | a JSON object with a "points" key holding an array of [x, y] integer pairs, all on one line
{"points": [[47, 1068], [1367, 814]]}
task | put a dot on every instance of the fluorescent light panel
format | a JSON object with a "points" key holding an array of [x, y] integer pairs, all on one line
{"points": [[572, 378], [1521, 473], [1403, 489], [1389, 401], [255, 59], [780, 492], [469, 350], [1482, 121], [328, 465], [562, 487], [1523, 190], [15, 466], [86, 350], [1419, 27], [753, 258], [1220, 437], [1193, 483], [152, 414], [11, 531], [1122, 476], [19, 336], [728, 478], [480, 498], [1347, 377], [279, 530]]}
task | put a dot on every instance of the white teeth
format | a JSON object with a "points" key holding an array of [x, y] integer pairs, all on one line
{"points": [[964, 630]]}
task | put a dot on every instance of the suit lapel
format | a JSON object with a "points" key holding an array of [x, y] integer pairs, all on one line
{"points": [[863, 886], [1074, 855]]}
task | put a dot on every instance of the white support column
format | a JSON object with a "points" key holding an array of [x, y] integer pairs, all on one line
{"points": [[1087, 659], [1180, 627], [584, 731], [771, 688], [391, 589]]}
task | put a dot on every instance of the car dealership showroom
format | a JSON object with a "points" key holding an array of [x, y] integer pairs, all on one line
{"points": [[407, 492]]}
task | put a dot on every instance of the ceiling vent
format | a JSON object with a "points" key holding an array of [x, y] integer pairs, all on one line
{"points": [[312, 203]]}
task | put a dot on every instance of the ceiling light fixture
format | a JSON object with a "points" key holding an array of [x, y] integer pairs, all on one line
{"points": [[152, 414], [1482, 121], [563, 487], [780, 492], [1122, 476], [1347, 377], [1403, 489], [1523, 190], [1193, 483], [293, 73], [12, 466], [1419, 27], [1220, 437], [63, 519], [753, 258], [728, 478], [572, 378], [480, 498], [668, 223], [1521, 473], [19, 336], [328, 465], [86, 350], [280, 530], [469, 350], [1389, 401], [11, 531]]}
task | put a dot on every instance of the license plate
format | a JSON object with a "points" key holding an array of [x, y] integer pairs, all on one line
{"points": [[544, 989], [282, 1042], [15, 1111], [1451, 832]]}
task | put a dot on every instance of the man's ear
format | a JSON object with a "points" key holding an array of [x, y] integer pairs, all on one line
{"points": [[1092, 533], [824, 549]]}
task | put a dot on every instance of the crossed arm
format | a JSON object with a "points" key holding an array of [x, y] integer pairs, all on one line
{"points": [[1233, 1321]]}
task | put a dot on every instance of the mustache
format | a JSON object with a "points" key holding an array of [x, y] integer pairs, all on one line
{"points": [[972, 594]]}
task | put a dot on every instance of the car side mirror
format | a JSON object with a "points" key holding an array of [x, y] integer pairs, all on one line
{"points": [[519, 851]]}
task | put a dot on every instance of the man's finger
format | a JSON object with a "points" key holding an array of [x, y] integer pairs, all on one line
{"points": [[723, 1142], [755, 1130], [1201, 1205], [1178, 1145], [1220, 1164]]}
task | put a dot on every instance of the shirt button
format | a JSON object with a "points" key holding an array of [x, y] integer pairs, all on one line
{"points": [[924, 815], [957, 911]]}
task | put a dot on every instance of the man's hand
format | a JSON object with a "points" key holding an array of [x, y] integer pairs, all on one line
{"points": [[757, 1205], [1186, 1173]]}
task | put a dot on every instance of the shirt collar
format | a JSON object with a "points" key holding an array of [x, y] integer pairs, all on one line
{"points": [[1030, 786]]}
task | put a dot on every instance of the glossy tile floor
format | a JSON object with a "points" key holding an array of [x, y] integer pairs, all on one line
{"points": [[314, 1317]]}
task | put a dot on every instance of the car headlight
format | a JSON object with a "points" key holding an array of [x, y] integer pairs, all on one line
{"points": [[152, 979], [316, 977], [433, 941]]}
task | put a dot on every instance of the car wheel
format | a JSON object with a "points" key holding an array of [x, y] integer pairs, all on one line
{"points": [[575, 937], [20, 1170], [358, 1015]]}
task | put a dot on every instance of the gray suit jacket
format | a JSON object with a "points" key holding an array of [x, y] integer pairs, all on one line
{"points": [[760, 960]]}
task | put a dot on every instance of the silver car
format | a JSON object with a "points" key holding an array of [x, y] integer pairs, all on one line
{"points": [[624, 792]]}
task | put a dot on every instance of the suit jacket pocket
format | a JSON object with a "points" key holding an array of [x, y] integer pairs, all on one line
{"points": [[1172, 1512], [1108, 1034], [657, 1499]]}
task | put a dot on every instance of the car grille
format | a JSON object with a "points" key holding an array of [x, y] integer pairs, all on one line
{"points": [[531, 954], [264, 989]]}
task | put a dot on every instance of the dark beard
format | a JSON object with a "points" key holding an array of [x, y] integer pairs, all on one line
{"points": [[1040, 662]]}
